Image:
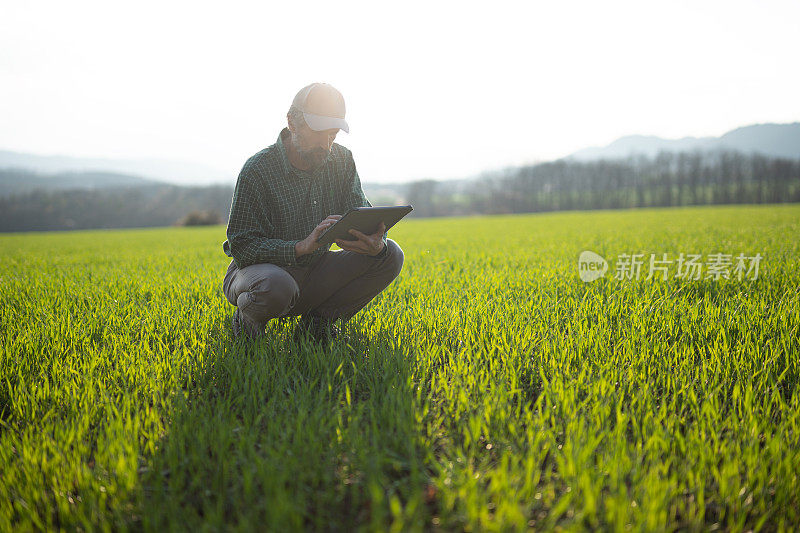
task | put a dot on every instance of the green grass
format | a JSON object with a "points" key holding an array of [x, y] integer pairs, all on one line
{"points": [[487, 388]]}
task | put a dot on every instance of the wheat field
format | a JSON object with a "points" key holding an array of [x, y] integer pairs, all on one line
{"points": [[487, 388]]}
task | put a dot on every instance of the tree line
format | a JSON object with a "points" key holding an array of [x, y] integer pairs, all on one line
{"points": [[116, 207], [669, 179]]}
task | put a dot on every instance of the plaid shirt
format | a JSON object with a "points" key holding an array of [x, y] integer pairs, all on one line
{"points": [[275, 205]]}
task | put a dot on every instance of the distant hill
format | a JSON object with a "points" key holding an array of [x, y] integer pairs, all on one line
{"points": [[111, 207], [177, 172], [15, 181], [776, 140]]}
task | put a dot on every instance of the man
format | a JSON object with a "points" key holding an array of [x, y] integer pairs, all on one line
{"points": [[286, 196]]}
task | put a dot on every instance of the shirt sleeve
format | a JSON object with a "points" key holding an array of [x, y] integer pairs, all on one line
{"points": [[250, 241], [357, 198]]}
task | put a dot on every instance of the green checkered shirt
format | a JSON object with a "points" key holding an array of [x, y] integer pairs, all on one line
{"points": [[276, 205]]}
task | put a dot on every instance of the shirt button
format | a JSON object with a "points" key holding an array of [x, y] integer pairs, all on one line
{"points": [[314, 202]]}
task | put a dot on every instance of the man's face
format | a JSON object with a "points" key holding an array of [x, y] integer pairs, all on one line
{"points": [[312, 146]]}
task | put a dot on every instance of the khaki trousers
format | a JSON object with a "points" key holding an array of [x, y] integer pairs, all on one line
{"points": [[338, 285]]}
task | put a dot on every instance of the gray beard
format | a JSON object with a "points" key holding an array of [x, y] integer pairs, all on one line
{"points": [[313, 158]]}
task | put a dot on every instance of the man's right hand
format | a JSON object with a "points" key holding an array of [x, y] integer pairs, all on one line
{"points": [[309, 244]]}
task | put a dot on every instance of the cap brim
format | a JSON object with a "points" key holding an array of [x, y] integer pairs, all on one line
{"points": [[321, 123]]}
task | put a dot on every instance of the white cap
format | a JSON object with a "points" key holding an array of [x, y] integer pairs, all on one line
{"points": [[322, 106]]}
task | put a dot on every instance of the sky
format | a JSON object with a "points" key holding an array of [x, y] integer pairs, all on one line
{"points": [[433, 89]]}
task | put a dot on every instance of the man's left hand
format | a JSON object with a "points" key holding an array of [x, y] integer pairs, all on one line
{"points": [[366, 244]]}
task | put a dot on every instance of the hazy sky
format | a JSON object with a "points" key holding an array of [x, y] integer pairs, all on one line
{"points": [[433, 89]]}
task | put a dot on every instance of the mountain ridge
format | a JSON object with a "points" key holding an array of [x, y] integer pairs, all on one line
{"points": [[776, 140], [173, 171]]}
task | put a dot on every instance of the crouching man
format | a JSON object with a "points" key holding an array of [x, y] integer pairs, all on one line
{"points": [[285, 198]]}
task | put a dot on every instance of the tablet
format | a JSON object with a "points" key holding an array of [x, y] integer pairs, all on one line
{"points": [[364, 219]]}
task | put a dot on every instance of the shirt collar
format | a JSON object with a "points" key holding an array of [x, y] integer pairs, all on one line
{"points": [[287, 167]]}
